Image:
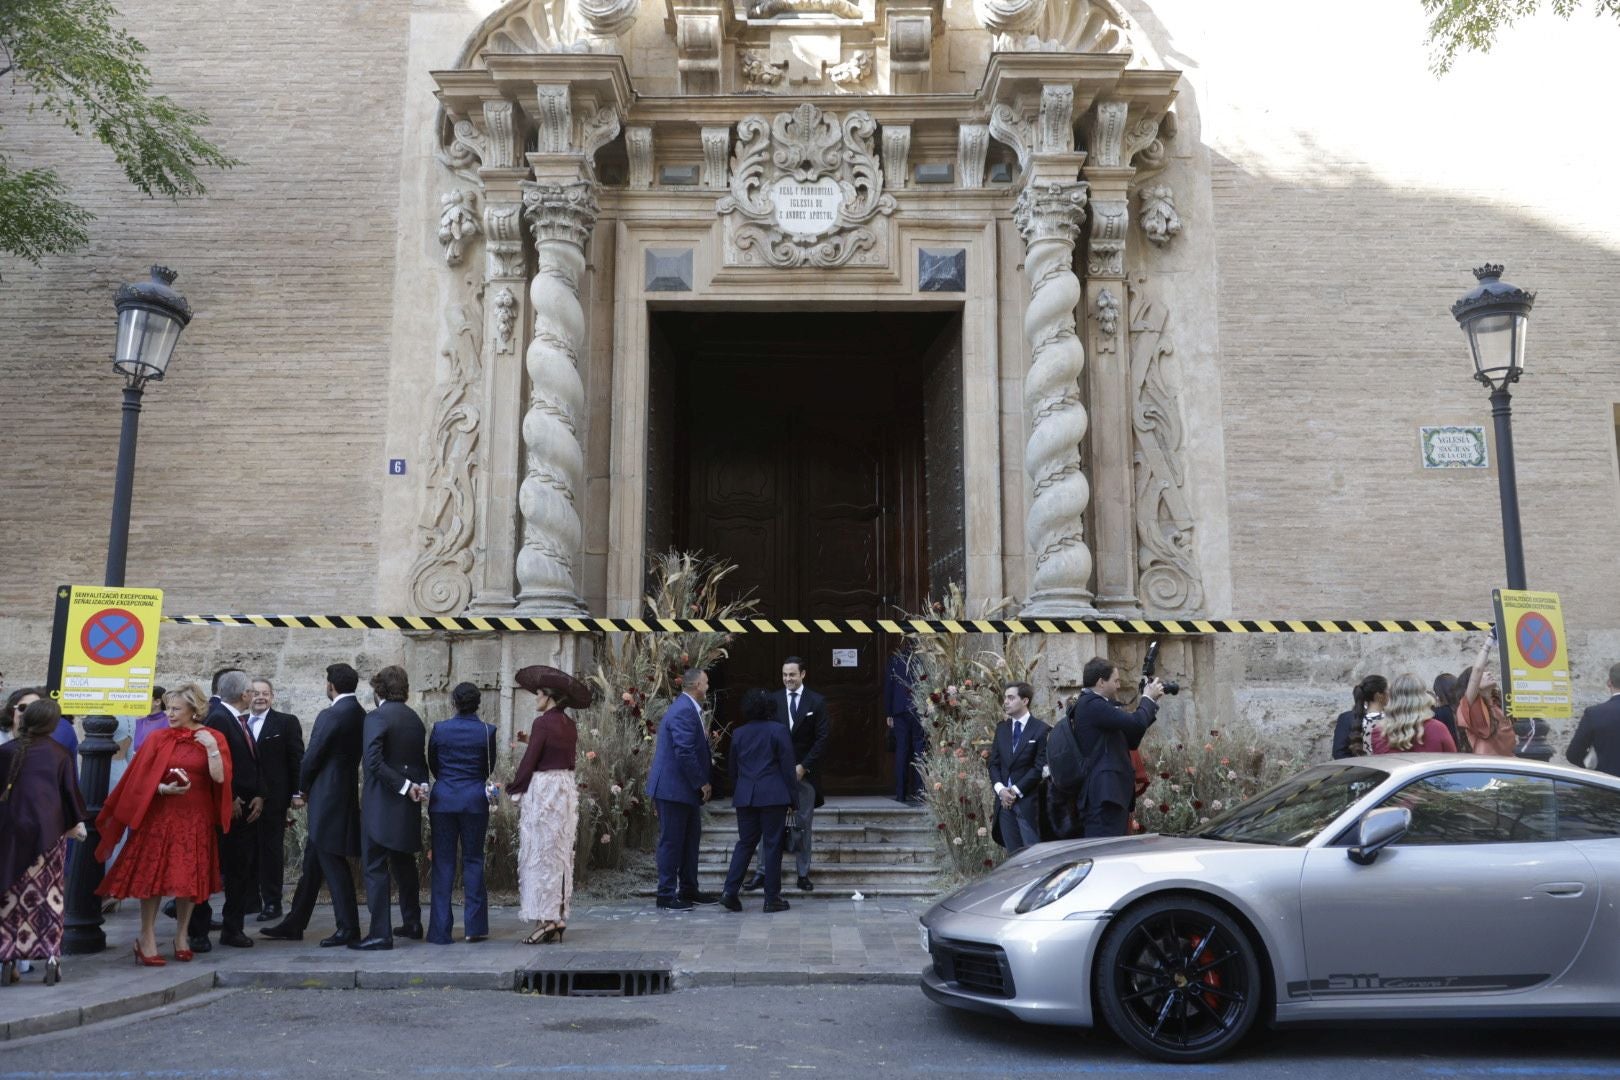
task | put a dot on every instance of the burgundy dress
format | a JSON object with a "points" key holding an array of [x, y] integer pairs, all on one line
{"points": [[174, 850]]}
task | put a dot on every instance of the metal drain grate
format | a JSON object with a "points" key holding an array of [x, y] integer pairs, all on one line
{"points": [[575, 982]]}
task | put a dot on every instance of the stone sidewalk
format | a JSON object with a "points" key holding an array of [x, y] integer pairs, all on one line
{"points": [[821, 940]]}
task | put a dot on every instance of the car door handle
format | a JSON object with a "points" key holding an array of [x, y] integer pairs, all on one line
{"points": [[1562, 888]]}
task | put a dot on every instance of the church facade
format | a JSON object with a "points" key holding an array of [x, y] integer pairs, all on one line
{"points": [[868, 297]]}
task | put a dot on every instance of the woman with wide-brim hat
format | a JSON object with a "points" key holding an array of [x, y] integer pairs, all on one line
{"points": [[545, 788]]}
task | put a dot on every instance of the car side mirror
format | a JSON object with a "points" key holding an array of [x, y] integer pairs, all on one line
{"points": [[1379, 829]]}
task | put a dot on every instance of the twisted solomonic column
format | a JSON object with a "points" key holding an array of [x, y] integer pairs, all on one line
{"points": [[1049, 216], [561, 214]]}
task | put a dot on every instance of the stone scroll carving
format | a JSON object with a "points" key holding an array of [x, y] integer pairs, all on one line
{"points": [[1168, 566], [441, 576], [1049, 217], [806, 190], [550, 26], [561, 214], [1081, 26]]}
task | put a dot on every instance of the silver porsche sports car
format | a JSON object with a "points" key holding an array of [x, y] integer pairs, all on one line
{"points": [[1411, 886]]}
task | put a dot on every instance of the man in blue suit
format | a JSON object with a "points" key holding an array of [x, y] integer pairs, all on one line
{"points": [[905, 727], [762, 783], [461, 755], [678, 783]]}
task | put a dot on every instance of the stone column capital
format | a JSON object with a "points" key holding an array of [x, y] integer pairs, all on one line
{"points": [[1051, 210], [561, 210]]}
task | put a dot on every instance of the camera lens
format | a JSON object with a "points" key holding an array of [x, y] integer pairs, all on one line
{"points": [[1172, 688]]}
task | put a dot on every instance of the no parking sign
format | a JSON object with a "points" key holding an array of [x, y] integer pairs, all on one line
{"points": [[104, 649], [1535, 662]]}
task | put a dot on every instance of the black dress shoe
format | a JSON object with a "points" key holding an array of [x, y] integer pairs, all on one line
{"points": [[281, 932], [216, 924], [200, 944], [730, 902], [236, 940], [269, 914], [339, 938], [776, 905], [168, 909], [702, 898], [805, 885], [412, 931], [373, 944], [674, 905], [755, 883]]}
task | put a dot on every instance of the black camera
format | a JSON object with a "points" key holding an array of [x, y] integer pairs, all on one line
{"points": [[1149, 664]]}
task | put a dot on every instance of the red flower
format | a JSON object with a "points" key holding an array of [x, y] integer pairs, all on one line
{"points": [[680, 682], [941, 825], [1198, 804], [1164, 776], [1164, 808], [972, 816], [1214, 733]]}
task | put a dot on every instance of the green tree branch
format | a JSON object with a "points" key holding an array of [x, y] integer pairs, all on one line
{"points": [[1459, 26]]}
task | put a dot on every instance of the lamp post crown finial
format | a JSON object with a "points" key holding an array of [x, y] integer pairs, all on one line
{"points": [[167, 276], [1489, 272]]}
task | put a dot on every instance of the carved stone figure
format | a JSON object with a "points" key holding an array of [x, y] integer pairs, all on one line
{"points": [[857, 69], [758, 70], [1049, 216], [770, 9]]}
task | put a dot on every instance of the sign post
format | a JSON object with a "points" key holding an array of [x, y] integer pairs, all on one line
{"points": [[1535, 659], [103, 660]]}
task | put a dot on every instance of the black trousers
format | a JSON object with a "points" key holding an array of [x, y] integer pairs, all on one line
{"points": [[756, 823], [380, 862], [238, 864], [1107, 819], [272, 828], [333, 869], [1020, 825]]}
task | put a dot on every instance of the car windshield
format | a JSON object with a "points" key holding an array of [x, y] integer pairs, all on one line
{"points": [[1294, 811]]}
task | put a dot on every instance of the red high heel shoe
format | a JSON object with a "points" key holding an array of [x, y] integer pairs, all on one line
{"points": [[148, 961], [185, 956]]}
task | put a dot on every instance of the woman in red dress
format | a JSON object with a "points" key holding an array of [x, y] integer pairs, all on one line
{"points": [[174, 800]]}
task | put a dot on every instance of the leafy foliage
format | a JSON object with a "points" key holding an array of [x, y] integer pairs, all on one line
{"points": [[76, 64], [1458, 26]]}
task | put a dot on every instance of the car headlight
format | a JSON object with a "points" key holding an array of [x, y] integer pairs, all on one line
{"points": [[1054, 886]]}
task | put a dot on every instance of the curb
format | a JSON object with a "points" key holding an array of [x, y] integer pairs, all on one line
{"points": [[146, 1001]]}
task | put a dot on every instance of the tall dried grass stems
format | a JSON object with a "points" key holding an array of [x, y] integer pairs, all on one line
{"points": [[1197, 773]]}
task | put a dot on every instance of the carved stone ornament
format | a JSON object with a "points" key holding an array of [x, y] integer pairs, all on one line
{"points": [[1107, 321], [503, 245], [440, 578], [1160, 221], [506, 305], [458, 223], [759, 71], [1166, 558], [806, 190], [1079, 26], [852, 72], [550, 26], [770, 9], [1105, 255]]}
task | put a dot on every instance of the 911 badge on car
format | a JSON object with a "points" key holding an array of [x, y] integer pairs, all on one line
{"points": [[1318, 899]]}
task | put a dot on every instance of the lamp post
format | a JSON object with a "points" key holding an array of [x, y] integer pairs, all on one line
{"points": [[150, 317], [1495, 315]]}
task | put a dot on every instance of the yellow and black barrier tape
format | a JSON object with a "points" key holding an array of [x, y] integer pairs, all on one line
{"points": [[588, 625]]}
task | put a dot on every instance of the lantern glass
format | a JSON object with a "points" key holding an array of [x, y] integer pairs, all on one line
{"points": [[146, 341]]}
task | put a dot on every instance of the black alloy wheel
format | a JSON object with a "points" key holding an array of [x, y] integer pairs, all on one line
{"points": [[1178, 979]]}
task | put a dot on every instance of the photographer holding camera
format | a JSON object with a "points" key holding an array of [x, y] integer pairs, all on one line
{"points": [[1107, 734]]}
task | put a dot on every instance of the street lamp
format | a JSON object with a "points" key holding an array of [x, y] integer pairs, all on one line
{"points": [[1495, 316], [150, 317]]}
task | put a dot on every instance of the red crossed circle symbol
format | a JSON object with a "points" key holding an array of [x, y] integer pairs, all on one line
{"points": [[112, 636], [1537, 642]]}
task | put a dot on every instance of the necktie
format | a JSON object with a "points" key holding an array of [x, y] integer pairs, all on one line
{"points": [[793, 708], [248, 732], [1018, 733]]}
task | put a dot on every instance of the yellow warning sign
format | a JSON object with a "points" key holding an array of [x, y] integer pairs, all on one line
{"points": [[1530, 630], [104, 649]]}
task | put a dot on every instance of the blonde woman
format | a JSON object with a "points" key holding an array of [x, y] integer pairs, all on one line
{"points": [[1409, 724]]}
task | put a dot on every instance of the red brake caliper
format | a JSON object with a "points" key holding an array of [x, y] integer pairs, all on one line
{"points": [[1209, 978]]}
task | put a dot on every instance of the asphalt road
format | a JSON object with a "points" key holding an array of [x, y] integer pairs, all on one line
{"points": [[764, 1032]]}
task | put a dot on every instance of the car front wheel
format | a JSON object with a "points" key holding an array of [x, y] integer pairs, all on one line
{"points": [[1178, 979]]}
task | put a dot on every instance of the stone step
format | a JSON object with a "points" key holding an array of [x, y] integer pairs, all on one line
{"points": [[714, 849], [833, 833], [863, 811], [848, 876], [829, 892]]}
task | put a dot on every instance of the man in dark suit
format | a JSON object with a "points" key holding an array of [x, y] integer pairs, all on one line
{"points": [[279, 739], [239, 845], [329, 781], [805, 713], [905, 728], [1106, 735], [1599, 730], [1017, 755], [762, 785], [395, 786], [678, 782]]}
